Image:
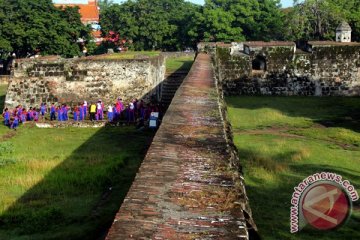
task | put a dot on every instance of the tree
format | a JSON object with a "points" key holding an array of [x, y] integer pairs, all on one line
{"points": [[5, 45], [347, 10], [104, 4], [218, 24], [269, 22], [28, 27], [233, 20], [318, 19], [121, 19], [186, 34], [151, 24]]}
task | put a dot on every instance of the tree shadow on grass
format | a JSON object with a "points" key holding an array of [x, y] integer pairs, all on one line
{"points": [[79, 198], [185, 67], [328, 111], [270, 197]]}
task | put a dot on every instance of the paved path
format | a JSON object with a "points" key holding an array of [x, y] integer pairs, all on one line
{"points": [[183, 189]]}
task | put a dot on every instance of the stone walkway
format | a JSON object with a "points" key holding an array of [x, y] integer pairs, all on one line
{"points": [[184, 189]]}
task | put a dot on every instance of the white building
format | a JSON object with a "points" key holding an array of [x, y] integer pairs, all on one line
{"points": [[343, 32]]}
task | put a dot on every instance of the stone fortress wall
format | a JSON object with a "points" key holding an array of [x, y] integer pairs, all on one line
{"points": [[71, 81], [283, 68]]}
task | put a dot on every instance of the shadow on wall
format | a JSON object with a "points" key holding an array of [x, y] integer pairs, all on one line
{"points": [[328, 111], [175, 75], [79, 198], [356, 91]]}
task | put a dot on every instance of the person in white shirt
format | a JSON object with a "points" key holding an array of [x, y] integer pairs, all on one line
{"points": [[110, 113], [131, 113], [84, 108], [100, 110]]}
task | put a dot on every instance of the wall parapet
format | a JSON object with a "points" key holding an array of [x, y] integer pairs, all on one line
{"points": [[324, 69], [184, 188], [234, 160], [72, 81]]}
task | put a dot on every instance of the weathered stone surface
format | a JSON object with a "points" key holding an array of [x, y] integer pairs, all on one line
{"points": [[328, 70], [184, 188], [75, 80], [70, 123]]}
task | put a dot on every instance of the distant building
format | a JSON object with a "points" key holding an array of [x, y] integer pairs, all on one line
{"points": [[89, 11], [343, 32]]}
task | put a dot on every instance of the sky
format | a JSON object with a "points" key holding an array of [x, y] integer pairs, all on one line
{"points": [[284, 3]]}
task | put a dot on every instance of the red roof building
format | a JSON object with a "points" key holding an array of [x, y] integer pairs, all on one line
{"points": [[89, 11]]}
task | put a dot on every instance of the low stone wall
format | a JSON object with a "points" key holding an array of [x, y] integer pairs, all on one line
{"points": [[75, 80], [178, 54], [185, 188], [329, 70], [66, 124]]}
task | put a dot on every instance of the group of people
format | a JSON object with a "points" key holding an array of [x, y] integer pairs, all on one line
{"points": [[95, 111]]}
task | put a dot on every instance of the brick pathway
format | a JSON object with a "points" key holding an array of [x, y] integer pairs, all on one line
{"points": [[183, 189]]}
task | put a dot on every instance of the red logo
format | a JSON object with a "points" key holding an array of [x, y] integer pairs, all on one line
{"points": [[325, 206]]}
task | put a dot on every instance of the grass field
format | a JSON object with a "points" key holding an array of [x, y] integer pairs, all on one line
{"points": [[3, 88], [65, 183], [179, 64], [283, 140], [131, 54], [68, 183]]}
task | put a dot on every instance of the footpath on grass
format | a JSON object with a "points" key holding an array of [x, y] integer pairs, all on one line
{"points": [[184, 188]]}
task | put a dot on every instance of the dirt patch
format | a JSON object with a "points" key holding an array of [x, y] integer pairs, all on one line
{"points": [[277, 131], [217, 198], [8, 135]]}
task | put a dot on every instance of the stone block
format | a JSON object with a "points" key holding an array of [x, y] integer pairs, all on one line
{"points": [[81, 79]]}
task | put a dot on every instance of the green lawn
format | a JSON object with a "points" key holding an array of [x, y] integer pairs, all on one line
{"points": [[3, 88], [282, 140], [131, 54], [65, 183], [183, 63], [68, 183]]}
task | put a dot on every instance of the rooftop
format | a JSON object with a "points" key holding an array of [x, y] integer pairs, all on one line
{"points": [[332, 43], [269, 44], [344, 26], [96, 34], [40, 58], [88, 12], [221, 44]]}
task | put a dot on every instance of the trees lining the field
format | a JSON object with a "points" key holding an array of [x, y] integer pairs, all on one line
{"points": [[28, 27]]}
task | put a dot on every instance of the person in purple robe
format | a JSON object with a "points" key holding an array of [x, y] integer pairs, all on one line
{"points": [[6, 115], [15, 123]]}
